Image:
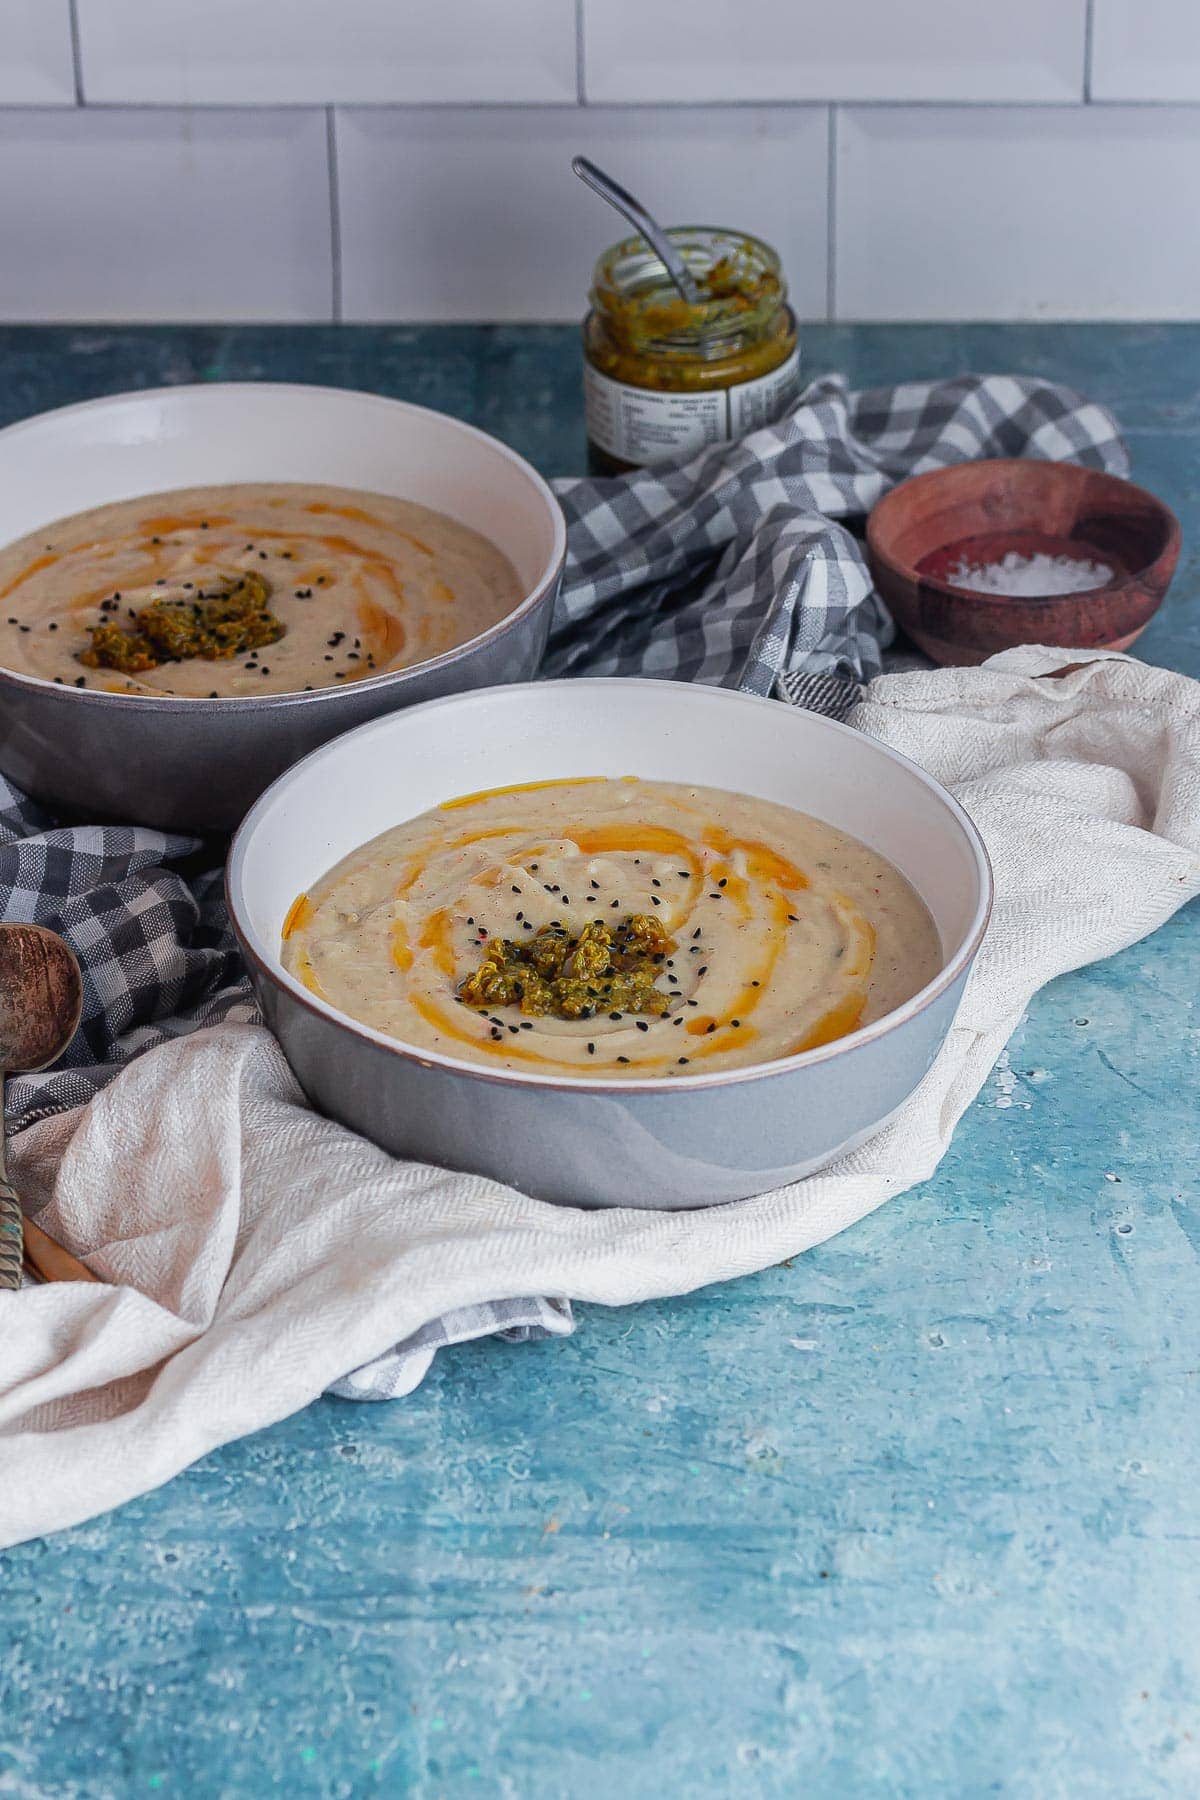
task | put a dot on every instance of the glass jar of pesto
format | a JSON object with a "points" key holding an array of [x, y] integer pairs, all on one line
{"points": [[662, 377]]}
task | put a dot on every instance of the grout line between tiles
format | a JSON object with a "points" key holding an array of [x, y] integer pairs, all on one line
{"points": [[76, 57], [831, 217], [1089, 21], [335, 217], [1128, 103], [580, 66]]}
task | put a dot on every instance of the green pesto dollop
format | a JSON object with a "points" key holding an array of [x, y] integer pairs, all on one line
{"points": [[554, 975], [219, 621]]}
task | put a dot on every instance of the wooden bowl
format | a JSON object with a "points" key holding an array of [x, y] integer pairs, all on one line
{"points": [[978, 512]]}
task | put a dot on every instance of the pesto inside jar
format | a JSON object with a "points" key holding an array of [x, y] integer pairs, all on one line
{"points": [[664, 377]]}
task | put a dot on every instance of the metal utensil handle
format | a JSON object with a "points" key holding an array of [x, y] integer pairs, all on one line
{"points": [[640, 219], [12, 1237]]}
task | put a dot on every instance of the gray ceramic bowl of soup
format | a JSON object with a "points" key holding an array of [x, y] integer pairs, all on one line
{"points": [[404, 556], [676, 806]]}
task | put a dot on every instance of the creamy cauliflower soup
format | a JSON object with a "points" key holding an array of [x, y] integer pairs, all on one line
{"points": [[622, 927], [259, 588]]}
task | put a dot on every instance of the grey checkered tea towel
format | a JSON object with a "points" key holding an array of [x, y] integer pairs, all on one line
{"points": [[736, 568]]}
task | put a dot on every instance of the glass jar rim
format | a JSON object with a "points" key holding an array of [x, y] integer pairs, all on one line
{"points": [[637, 299]]}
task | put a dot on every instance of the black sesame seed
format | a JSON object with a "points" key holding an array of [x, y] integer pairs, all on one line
{"points": [[516, 890], [591, 1049], [623, 1059], [525, 1025], [654, 881], [80, 681], [709, 1029], [654, 900], [703, 970], [736, 1023], [52, 626], [264, 670], [793, 918], [681, 1059], [641, 1025]]}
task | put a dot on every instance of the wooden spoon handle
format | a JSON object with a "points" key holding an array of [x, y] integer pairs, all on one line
{"points": [[50, 1260], [12, 1231]]}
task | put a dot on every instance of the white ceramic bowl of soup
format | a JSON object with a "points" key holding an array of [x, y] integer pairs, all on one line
{"points": [[686, 1141], [198, 763]]}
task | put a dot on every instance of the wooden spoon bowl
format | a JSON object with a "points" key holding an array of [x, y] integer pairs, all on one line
{"points": [[41, 999], [979, 511]]}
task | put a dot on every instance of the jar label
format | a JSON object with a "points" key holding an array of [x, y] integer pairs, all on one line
{"points": [[639, 425]]}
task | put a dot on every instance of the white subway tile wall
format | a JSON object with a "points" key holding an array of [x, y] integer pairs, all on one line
{"points": [[469, 214], [406, 159], [36, 67], [848, 50], [1011, 213], [1145, 50], [164, 214], [273, 52]]}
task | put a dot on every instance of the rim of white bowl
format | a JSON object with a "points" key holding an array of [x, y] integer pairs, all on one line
{"points": [[268, 965], [193, 703]]}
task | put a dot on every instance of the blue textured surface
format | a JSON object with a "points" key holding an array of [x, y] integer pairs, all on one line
{"points": [[918, 1514]]}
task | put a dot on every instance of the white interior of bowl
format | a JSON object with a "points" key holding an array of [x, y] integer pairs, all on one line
{"points": [[116, 449], [398, 766]]}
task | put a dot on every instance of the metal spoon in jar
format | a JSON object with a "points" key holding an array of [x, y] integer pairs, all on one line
{"points": [[640, 219], [41, 998]]}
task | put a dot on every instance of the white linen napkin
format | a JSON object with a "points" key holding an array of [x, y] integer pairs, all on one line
{"points": [[257, 1253]]}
